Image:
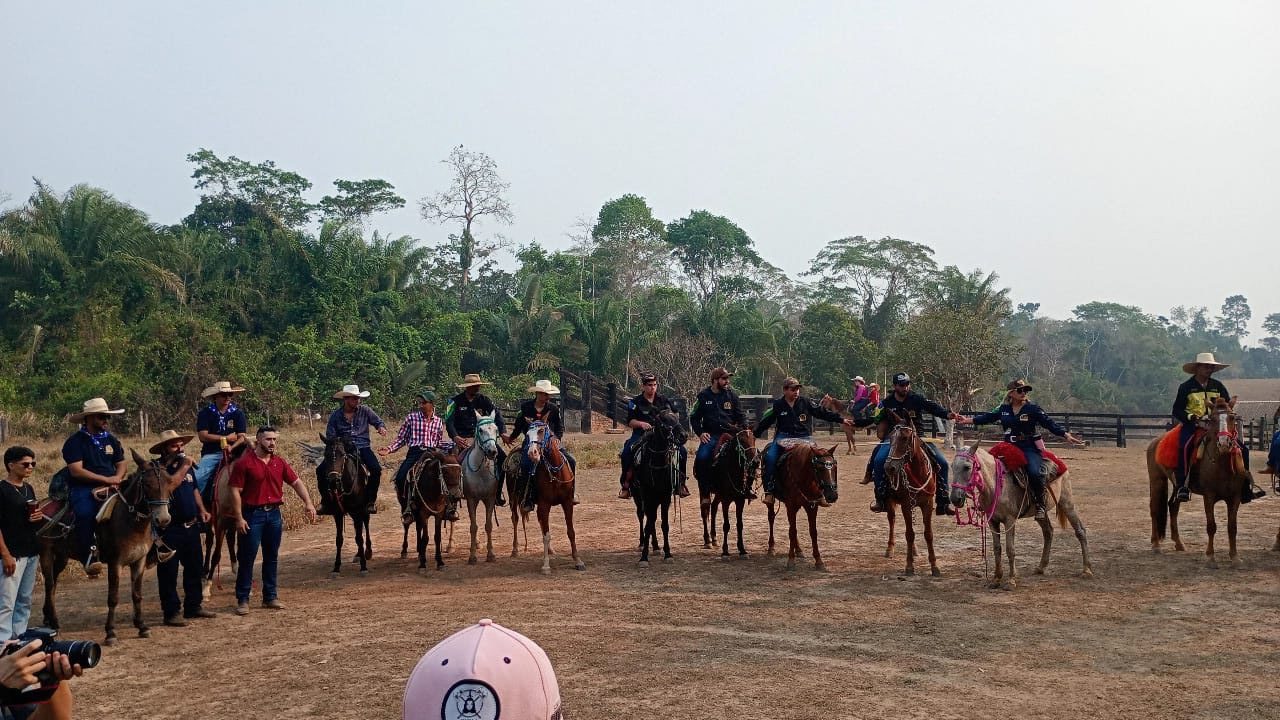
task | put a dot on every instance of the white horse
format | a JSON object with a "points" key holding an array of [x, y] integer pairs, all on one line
{"points": [[480, 482], [976, 473]]}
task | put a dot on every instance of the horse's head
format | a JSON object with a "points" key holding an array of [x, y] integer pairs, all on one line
{"points": [[745, 444], [1223, 418], [665, 434], [903, 441], [339, 453], [965, 470], [824, 471], [487, 434], [535, 437], [149, 486]]}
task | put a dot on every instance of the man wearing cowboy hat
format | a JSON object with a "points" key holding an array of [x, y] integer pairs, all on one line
{"points": [[717, 411], [220, 421], [182, 535], [460, 420], [1195, 400], [95, 459], [539, 409], [421, 431], [794, 416], [352, 419]]}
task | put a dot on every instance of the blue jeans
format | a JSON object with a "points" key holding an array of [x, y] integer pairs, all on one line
{"points": [[1185, 432], [402, 472], [15, 597], [771, 455], [185, 541], [881, 454], [204, 469], [265, 529], [85, 507]]}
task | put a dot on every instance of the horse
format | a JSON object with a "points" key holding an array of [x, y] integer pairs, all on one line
{"points": [[480, 482], [427, 488], [556, 485], [836, 406], [1220, 475], [221, 529], [912, 483], [807, 479], [733, 473], [124, 539], [981, 476], [347, 485], [656, 472]]}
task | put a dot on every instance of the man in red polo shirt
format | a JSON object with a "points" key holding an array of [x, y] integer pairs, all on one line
{"points": [[257, 492]]}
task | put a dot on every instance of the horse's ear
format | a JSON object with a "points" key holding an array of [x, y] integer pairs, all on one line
{"points": [[324, 439], [973, 449], [833, 450], [142, 462]]}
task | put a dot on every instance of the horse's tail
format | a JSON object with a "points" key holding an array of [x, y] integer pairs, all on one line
{"points": [[1158, 483], [1064, 493]]}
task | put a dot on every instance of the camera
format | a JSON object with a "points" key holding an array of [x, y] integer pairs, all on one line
{"points": [[84, 653]]}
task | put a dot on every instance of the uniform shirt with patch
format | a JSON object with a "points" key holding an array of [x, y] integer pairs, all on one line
{"points": [[1020, 426], [182, 503], [98, 455], [638, 408], [529, 414], [460, 416], [1195, 400], [795, 420], [715, 412], [221, 424]]}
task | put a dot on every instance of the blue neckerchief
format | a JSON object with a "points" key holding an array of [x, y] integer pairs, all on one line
{"points": [[224, 417], [97, 439]]}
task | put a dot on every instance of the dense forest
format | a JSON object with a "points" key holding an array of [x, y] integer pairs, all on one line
{"points": [[294, 296]]}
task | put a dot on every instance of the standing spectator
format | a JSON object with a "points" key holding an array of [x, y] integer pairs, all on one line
{"points": [[352, 419], [257, 492], [186, 511], [421, 431], [19, 547], [95, 462], [221, 420]]}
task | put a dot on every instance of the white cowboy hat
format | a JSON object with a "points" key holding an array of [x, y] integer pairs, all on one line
{"points": [[222, 386], [543, 386], [471, 379], [859, 378], [93, 406], [1203, 359], [167, 437], [350, 391]]}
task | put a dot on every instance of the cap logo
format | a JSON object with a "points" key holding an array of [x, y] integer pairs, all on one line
{"points": [[470, 700]]}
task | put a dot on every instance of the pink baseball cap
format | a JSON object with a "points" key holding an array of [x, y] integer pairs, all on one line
{"points": [[484, 672]]}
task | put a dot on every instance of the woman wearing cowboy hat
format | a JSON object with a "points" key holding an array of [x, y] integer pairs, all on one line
{"points": [[1195, 400], [539, 409], [95, 459], [220, 421], [460, 421], [353, 419]]}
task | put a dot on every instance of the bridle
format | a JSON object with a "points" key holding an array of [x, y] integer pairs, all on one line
{"points": [[138, 482], [896, 465], [540, 439]]}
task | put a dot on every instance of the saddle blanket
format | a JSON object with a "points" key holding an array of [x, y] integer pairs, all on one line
{"points": [[1014, 459]]}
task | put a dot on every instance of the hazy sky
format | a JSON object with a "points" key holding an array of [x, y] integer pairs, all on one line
{"points": [[1117, 151]]}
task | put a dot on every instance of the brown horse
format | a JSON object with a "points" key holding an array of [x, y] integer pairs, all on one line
{"points": [[733, 472], [1219, 475], [912, 483], [348, 480], [555, 487], [850, 433], [806, 479], [221, 529], [124, 539], [427, 487]]}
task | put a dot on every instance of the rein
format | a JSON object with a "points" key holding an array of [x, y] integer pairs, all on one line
{"points": [[137, 482], [973, 487], [898, 464], [544, 442]]}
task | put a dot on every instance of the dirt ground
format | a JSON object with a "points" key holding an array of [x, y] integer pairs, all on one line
{"points": [[1151, 636]]}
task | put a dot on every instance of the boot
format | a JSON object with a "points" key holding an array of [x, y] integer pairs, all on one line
{"points": [[867, 477], [372, 508], [1250, 492], [1182, 493], [501, 501], [879, 503], [942, 506], [530, 496], [625, 479], [768, 491], [92, 566], [683, 490], [1037, 496]]}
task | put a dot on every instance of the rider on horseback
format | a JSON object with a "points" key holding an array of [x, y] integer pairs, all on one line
{"points": [[1019, 419], [352, 419], [910, 407], [539, 409], [861, 398], [794, 416], [95, 461], [643, 413], [1195, 400], [460, 420], [423, 432], [718, 412]]}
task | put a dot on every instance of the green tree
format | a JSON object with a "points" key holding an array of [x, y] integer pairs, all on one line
{"points": [[881, 278], [356, 200], [830, 348], [714, 252], [1236, 314]]}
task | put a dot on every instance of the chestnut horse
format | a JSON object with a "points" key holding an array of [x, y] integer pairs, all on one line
{"points": [[124, 539], [912, 484], [348, 479], [806, 479], [978, 475], [733, 473], [221, 529], [838, 407], [1220, 475], [555, 487]]}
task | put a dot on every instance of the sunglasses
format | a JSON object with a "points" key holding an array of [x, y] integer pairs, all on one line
{"points": [[26, 463], [1020, 390]]}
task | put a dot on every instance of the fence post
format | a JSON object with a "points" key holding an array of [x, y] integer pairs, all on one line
{"points": [[586, 402], [611, 392], [1066, 422], [1121, 442]]}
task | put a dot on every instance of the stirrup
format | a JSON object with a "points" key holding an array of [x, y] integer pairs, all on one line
{"points": [[877, 506], [767, 499], [683, 490], [624, 493]]}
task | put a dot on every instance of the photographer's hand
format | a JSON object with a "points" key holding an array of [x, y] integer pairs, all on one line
{"points": [[62, 668], [19, 669]]}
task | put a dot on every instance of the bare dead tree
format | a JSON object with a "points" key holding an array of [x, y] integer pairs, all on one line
{"points": [[682, 361]]}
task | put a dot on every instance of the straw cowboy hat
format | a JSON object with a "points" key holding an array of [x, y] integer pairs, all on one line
{"points": [[859, 378], [222, 386], [543, 386], [350, 391], [167, 437], [471, 379], [1203, 359], [94, 406]]}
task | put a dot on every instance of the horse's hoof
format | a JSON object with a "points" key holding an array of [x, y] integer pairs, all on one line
{"points": [[1237, 563], [644, 563], [1011, 585], [364, 573], [1155, 550], [909, 572], [1213, 564], [1087, 573], [742, 553], [235, 569], [491, 558], [1180, 547], [994, 585], [706, 545], [422, 571], [110, 641], [888, 553], [471, 560], [821, 567], [404, 555], [769, 552], [546, 571], [724, 557], [439, 567], [791, 564], [1040, 570], [580, 566], [666, 558], [935, 572], [515, 553], [334, 575], [144, 632]]}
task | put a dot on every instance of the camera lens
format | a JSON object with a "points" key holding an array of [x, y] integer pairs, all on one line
{"points": [[85, 653]]}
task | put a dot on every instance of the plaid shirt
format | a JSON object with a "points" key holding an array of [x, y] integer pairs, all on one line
{"points": [[418, 431]]}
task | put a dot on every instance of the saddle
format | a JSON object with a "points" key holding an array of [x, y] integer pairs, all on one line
{"points": [[722, 444], [1015, 463]]}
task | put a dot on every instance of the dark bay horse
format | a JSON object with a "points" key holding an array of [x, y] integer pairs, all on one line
{"points": [[556, 486], [347, 483], [733, 473], [912, 484], [427, 488], [656, 473], [124, 539], [1219, 475], [806, 479], [221, 529]]}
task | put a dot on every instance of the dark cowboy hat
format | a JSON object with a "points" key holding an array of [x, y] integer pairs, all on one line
{"points": [[1018, 384]]}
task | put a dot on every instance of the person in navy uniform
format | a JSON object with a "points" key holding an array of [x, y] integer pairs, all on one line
{"points": [[1019, 418], [793, 414], [911, 407], [717, 411], [539, 409], [182, 535], [95, 459], [643, 413], [460, 421], [1195, 400]]}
